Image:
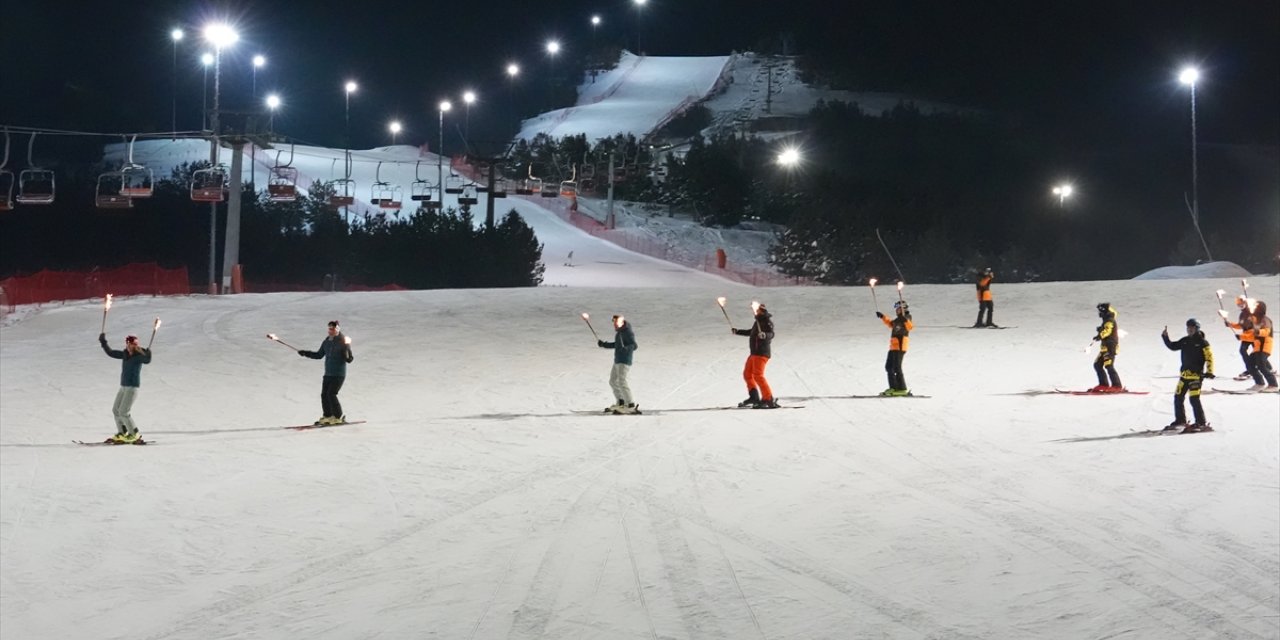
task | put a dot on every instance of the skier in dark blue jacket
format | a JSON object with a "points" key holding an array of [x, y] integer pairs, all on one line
{"points": [[131, 361], [336, 351], [624, 343]]}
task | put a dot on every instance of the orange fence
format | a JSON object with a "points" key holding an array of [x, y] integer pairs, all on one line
{"points": [[129, 280]]}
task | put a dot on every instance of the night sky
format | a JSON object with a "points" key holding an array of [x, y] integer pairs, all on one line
{"points": [[1088, 72]]}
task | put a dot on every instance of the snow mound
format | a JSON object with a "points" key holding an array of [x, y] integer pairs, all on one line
{"points": [[1206, 270]]}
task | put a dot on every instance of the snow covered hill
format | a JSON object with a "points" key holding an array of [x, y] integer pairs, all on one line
{"points": [[477, 503]]}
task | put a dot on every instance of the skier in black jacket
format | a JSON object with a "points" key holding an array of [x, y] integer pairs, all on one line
{"points": [[1197, 364], [759, 395]]}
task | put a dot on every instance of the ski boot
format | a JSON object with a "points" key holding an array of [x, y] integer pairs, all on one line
{"points": [[118, 438], [1242, 377], [1197, 428], [627, 409], [767, 403], [1102, 388], [613, 408], [1176, 425], [753, 400], [1257, 387]]}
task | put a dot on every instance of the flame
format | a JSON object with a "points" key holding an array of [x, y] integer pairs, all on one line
{"points": [[107, 303], [347, 339], [1220, 292], [586, 316], [1244, 283], [755, 306], [1223, 313], [720, 301], [618, 321], [900, 283], [272, 336], [157, 323], [1123, 333], [872, 282]]}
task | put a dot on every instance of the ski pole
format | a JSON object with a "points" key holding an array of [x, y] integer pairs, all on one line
{"points": [[154, 327], [106, 304], [587, 319], [720, 301], [900, 283], [273, 337], [872, 283]]}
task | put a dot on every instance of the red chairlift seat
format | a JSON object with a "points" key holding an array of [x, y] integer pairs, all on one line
{"points": [[569, 189], [136, 181], [343, 193], [282, 186], [468, 195], [391, 198], [109, 193], [209, 185], [549, 190]]}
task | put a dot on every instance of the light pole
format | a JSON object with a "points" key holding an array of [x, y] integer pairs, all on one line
{"points": [[1063, 191], [1190, 76], [206, 60], [395, 129], [513, 70], [273, 103], [553, 47], [595, 24], [640, 27], [468, 97], [176, 36], [444, 106], [220, 36], [348, 89], [258, 61]]}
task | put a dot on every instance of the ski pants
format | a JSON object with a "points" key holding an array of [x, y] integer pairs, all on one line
{"points": [[988, 307], [329, 396], [618, 382], [123, 408], [1188, 384], [753, 373], [1262, 369], [1105, 366], [1247, 357], [893, 367]]}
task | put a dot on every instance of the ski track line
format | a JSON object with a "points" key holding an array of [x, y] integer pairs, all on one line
{"points": [[1160, 595], [196, 621]]}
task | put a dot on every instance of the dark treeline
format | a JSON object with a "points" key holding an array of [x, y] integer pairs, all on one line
{"points": [[303, 243]]}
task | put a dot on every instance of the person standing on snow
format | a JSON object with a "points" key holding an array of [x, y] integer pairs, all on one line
{"points": [[1197, 364], [132, 359], [1245, 325], [623, 345], [336, 351], [760, 335], [1263, 332], [985, 303], [899, 329], [1104, 365]]}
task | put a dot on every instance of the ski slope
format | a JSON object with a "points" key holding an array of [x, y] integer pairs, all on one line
{"points": [[475, 502], [595, 260], [636, 97]]}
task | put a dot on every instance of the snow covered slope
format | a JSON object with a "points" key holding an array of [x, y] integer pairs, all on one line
{"points": [[636, 97], [1207, 270], [475, 503]]}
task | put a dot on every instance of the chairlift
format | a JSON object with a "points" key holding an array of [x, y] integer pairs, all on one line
{"points": [[6, 178], [468, 195], [110, 193], [453, 184], [391, 197], [282, 183], [548, 189], [499, 189], [344, 188], [35, 185], [136, 181], [569, 188], [419, 190], [209, 185], [378, 187]]}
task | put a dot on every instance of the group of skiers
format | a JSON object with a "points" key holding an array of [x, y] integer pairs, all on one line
{"points": [[1256, 344]]}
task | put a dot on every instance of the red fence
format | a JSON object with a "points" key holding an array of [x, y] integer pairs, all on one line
{"points": [[129, 280]]}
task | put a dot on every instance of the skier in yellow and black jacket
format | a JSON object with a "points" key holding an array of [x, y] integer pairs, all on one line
{"points": [[1104, 365], [1197, 364], [985, 303]]}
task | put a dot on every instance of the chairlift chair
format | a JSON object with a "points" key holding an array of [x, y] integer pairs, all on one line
{"points": [[549, 190], [36, 186], [499, 189], [468, 195], [136, 181], [569, 189], [375, 192], [391, 198], [110, 193], [209, 185], [344, 193], [282, 184], [420, 191], [6, 190], [453, 184], [524, 188]]}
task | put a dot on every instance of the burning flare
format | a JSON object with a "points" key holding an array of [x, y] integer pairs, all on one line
{"points": [[720, 301], [106, 304], [900, 283], [272, 336], [755, 306], [872, 282]]}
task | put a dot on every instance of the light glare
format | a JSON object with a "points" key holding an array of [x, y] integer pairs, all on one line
{"points": [[176, 34], [445, 105], [1189, 76], [394, 126], [553, 47], [273, 101], [469, 97], [513, 69], [789, 157], [259, 60], [351, 86], [595, 21], [220, 35], [206, 59]]}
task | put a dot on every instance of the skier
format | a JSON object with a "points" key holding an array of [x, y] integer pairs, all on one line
{"points": [[1104, 365], [336, 351], [624, 343], [759, 395], [1263, 331], [1245, 325], [900, 327], [984, 299], [1197, 364], [132, 359]]}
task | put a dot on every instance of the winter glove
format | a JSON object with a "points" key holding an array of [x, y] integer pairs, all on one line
{"points": [[348, 356], [1210, 375], [102, 337], [302, 353], [880, 315], [600, 343]]}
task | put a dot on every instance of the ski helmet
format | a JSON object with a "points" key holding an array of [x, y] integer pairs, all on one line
{"points": [[900, 305], [1104, 308], [131, 339], [987, 271], [1192, 322]]}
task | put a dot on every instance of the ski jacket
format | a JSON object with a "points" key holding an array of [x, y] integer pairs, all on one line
{"points": [[1108, 334], [984, 288], [900, 327], [131, 365], [1196, 354], [1262, 334], [336, 353], [760, 334], [623, 345], [1245, 325]]}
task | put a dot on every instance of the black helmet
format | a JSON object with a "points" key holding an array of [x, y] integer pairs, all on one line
{"points": [[987, 271], [1192, 322], [1104, 308], [900, 305]]}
